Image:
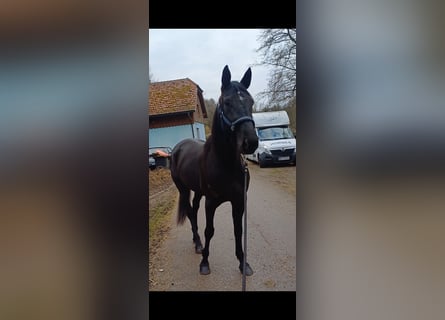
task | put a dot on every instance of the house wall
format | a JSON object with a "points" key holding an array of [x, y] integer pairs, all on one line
{"points": [[199, 131], [163, 122], [170, 136], [197, 115], [168, 131]]}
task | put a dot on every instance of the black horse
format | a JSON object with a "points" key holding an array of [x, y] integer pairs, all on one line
{"points": [[215, 169]]}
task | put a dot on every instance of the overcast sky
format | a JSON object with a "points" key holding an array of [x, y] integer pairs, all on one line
{"points": [[201, 54]]}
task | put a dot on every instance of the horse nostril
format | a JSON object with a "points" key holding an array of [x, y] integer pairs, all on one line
{"points": [[255, 143], [249, 145], [245, 144]]}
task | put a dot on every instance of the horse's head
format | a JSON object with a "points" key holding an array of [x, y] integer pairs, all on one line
{"points": [[235, 111]]}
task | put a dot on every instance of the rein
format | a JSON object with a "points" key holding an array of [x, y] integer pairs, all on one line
{"points": [[245, 225]]}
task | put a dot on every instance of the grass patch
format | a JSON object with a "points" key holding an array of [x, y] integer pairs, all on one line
{"points": [[158, 214], [160, 206], [159, 218], [158, 180]]}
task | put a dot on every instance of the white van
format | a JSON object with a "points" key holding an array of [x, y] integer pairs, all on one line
{"points": [[276, 143]]}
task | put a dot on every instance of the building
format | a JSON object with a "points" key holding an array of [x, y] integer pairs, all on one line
{"points": [[176, 111]]}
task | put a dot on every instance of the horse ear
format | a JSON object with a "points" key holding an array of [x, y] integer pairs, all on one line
{"points": [[226, 77], [245, 81]]}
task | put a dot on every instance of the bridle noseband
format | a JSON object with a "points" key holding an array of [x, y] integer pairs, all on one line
{"points": [[232, 124]]}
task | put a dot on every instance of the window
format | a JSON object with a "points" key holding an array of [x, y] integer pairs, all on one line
{"points": [[274, 133]]}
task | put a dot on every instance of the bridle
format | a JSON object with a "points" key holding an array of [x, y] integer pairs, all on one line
{"points": [[231, 124]]}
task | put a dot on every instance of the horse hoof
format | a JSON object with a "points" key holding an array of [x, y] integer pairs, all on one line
{"points": [[204, 270], [198, 249], [249, 270]]}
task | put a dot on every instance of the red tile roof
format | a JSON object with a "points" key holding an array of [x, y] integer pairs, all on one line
{"points": [[173, 96]]}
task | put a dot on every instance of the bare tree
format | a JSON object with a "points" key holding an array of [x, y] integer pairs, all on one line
{"points": [[210, 107], [278, 49]]}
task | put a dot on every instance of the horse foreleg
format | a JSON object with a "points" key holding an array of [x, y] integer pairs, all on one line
{"points": [[210, 207], [237, 216], [194, 222]]}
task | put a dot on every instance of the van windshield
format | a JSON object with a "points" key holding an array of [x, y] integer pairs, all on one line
{"points": [[274, 133]]}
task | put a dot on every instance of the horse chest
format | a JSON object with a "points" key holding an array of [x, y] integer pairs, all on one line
{"points": [[224, 184]]}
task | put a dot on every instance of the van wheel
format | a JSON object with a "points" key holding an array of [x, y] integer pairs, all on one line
{"points": [[261, 163]]}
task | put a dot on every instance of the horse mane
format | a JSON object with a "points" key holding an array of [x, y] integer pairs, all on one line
{"points": [[219, 139]]}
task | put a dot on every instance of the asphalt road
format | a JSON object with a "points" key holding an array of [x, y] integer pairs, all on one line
{"points": [[271, 242]]}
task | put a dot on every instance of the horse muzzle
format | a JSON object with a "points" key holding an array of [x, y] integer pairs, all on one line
{"points": [[249, 145]]}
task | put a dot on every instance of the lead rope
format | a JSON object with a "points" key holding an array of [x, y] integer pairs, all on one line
{"points": [[245, 225]]}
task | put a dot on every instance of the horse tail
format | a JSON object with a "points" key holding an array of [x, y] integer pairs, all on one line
{"points": [[183, 206]]}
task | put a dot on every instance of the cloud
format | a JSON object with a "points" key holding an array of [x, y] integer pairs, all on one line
{"points": [[201, 54]]}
